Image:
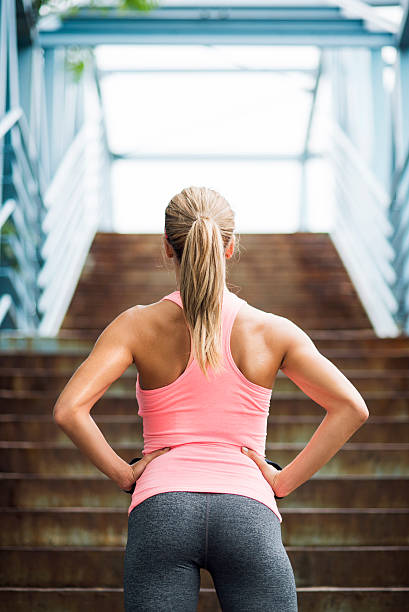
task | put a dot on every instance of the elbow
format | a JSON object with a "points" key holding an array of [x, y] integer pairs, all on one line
{"points": [[59, 416], [361, 411], [62, 414], [364, 416]]}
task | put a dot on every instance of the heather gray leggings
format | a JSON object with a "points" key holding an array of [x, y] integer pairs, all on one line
{"points": [[236, 538]]}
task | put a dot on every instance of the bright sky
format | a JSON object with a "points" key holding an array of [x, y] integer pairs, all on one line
{"points": [[255, 114]]}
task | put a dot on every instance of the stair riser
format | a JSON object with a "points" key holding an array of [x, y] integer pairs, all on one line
{"points": [[89, 328], [96, 316], [105, 527], [291, 405], [324, 340], [318, 492], [132, 432], [395, 381], [52, 495], [312, 567], [70, 461], [65, 364], [272, 272]]}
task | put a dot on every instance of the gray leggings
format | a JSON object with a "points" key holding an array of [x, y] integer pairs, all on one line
{"points": [[236, 538]]}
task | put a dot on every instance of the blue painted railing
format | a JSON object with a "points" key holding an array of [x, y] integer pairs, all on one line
{"points": [[54, 198], [371, 226], [399, 214]]}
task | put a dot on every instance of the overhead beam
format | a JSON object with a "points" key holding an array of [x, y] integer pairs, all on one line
{"points": [[211, 157], [363, 10], [403, 35], [258, 25], [102, 72]]}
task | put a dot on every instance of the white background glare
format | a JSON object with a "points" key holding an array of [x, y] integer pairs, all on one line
{"points": [[204, 124]]}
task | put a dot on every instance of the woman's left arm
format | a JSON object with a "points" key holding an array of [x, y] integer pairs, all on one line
{"points": [[109, 358]]}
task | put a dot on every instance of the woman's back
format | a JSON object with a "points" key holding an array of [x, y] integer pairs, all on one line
{"points": [[256, 344], [205, 422]]}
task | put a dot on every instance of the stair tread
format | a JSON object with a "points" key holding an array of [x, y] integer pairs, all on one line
{"points": [[334, 318]]}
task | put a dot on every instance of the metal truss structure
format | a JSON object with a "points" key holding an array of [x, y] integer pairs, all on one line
{"points": [[47, 128]]}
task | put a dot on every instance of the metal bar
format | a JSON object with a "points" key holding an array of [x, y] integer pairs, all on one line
{"points": [[372, 182], [399, 176], [321, 25], [372, 220], [360, 38], [303, 215], [3, 56], [403, 34], [221, 157], [14, 95], [375, 245], [6, 306], [240, 69], [364, 11], [9, 120], [380, 311], [6, 211], [318, 73], [381, 124]]}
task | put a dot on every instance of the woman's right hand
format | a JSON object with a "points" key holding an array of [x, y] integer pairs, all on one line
{"points": [[269, 472]]}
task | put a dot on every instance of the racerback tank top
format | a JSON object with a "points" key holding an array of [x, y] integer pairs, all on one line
{"points": [[205, 423]]}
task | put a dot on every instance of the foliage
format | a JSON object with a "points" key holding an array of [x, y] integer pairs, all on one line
{"points": [[67, 8], [78, 57]]}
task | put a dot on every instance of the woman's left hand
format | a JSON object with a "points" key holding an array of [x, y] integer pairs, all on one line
{"points": [[136, 469], [269, 472]]}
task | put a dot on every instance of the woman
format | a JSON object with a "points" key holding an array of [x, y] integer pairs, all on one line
{"points": [[207, 362]]}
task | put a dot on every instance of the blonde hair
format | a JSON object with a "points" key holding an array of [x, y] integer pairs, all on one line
{"points": [[199, 224]]}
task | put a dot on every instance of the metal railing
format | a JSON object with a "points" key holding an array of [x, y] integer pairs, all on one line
{"points": [[76, 202], [46, 224], [21, 215], [362, 232], [399, 215]]}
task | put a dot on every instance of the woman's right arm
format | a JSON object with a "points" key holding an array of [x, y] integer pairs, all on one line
{"points": [[321, 380]]}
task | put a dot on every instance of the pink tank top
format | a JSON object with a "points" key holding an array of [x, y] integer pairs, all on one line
{"points": [[205, 424]]}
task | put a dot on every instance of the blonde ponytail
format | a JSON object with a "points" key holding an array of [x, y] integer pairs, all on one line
{"points": [[199, 224]]}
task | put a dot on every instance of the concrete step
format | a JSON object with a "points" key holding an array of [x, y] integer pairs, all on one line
{"points": [[377, 599], [267, 272], [76, 526], [380, 403], [66, 363], [121, 429], [19, 379], [40, 491], [105, 600], [336, 337], [304, 270], [136, 292], [91, 329], [102, 311], [67, 341], [320, 566], [49, 458], [345, 529]]}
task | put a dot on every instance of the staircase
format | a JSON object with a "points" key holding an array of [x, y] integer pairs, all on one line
{"points": [[64, 523]]}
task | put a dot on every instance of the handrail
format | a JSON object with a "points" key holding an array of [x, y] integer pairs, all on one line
{"points": [[399, 214], [52, 228], [363, 231], [70, 221], [398, 177], [9, 120], [371, 181], [7, 307]]}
